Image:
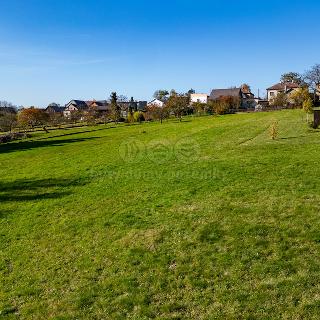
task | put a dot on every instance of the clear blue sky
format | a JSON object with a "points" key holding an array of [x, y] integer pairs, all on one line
{"points": [[58, 50]]}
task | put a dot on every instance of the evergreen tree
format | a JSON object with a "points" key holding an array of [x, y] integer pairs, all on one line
{"points": [[115, 109]]}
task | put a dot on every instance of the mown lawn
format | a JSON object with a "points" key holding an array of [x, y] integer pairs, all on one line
{"points": [[204, 219]]}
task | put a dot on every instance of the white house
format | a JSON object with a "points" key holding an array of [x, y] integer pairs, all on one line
{"points": [[74, 105], [285, 87], [198, 97], [156, 102]]}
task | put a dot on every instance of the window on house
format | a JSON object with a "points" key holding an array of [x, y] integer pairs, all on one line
{"points": [[271, 94]]}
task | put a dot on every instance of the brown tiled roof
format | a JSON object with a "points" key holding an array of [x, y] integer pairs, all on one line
{"points": [[281, 86]]}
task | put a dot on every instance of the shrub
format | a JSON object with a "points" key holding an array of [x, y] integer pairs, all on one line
{"points": [[13, 136], [8, 120], [138, 116], [130, 117], [308, 107], [218, 107], [281, 100], [299, 96], [274, 130], [199, 107]]}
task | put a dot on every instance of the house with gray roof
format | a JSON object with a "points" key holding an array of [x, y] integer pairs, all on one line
{"points": [[54, 108], [217, 94], [99, 105], [75, 105], [245, 98]]}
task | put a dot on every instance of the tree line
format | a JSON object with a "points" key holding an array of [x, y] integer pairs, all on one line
{"points": [[174, 104]]}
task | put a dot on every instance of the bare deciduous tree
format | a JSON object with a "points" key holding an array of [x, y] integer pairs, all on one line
{"points": [[312, 78], [8, 116]]}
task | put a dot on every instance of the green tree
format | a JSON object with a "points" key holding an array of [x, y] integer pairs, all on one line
{"points": [[115, 108], [280, 100], [133, 105], [199, 107], [138, 116], [154, 112], [293, 77], [161, 94], [299, 96], [130, 117], [173, 92], [178, 105], [308, 107], [32, 117], [218, 106], [191, 91], [224, 104]]}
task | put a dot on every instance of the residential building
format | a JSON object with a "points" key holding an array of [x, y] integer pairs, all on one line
{"points": [[8, 109], [156, 102], [75, 105], [199, 97], [100, 105], [142, 105], [245, 99], [285, 87], [54, 108]]}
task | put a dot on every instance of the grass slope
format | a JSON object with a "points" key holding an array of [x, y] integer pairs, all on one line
{"points": [[204, 219]]}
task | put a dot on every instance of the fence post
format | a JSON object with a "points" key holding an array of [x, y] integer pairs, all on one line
{"points": [[316, 118]]}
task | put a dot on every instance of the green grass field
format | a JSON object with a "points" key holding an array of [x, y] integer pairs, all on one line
{"points": [[204, 219]]}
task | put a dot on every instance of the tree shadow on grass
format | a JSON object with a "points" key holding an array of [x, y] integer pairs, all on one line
{"points": [[33, 190], [294, 137], [32, 144], [74, 133], [4, 214]]}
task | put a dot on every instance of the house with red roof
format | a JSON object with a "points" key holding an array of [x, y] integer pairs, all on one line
{"points": [[282, 87]]}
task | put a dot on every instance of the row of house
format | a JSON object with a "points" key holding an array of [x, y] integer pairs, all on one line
{"points": [[244, 95], [97, 105]]}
